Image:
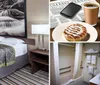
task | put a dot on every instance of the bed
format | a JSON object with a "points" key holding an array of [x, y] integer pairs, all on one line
{"points": [[20, 56]]}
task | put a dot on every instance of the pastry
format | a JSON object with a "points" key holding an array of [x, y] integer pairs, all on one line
{"points": [[75, 32]]}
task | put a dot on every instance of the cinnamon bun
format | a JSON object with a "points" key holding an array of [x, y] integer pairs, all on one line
{"points": [[75, 32]]}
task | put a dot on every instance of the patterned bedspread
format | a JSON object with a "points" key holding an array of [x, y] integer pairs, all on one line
{"points": [[7, 55]]}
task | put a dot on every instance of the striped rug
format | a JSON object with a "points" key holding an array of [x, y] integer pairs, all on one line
{"points": [[24, 77]]}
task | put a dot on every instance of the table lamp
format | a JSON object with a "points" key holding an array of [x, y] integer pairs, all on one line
{"points": [[40, 29]]}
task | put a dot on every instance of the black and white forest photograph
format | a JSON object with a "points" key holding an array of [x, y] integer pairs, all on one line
{"points": [[12, 18]]}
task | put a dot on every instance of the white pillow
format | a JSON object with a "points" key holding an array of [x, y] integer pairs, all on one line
{"points": [[13, 41], [2, 38]]}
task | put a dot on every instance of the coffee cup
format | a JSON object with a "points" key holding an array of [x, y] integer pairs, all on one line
{"points": [[91, 13], [98, 1]]}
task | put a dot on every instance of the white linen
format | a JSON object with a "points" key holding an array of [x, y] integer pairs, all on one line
{"points": [[20, 49], [13, 41], [93, 61], [1, 38], [88, 59]]}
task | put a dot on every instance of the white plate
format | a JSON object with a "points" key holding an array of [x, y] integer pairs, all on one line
{"points": [[58, 31]]}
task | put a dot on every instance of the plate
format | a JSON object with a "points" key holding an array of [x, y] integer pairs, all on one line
{"points": [[58, 31]]}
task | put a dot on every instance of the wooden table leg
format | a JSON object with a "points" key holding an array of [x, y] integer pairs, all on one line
{"points": [[34, 67]]}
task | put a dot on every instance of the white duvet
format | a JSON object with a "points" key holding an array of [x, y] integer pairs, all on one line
{"points": [[20, 49]]}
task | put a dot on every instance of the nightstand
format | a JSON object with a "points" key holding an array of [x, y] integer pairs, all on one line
{"points": [[39, 59]]}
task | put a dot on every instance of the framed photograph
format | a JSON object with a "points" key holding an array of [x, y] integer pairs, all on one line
{"points": [[13, 18]]}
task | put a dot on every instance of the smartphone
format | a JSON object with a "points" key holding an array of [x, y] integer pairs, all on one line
{"points": [[71, 10]]}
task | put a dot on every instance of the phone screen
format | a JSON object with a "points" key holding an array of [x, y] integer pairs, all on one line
{"points": [[70, 10]]}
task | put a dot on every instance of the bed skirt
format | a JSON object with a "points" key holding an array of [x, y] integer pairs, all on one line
{"points": [[20, 62]]}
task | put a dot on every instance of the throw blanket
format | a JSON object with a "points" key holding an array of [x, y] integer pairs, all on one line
{"points": [[7, 55]]}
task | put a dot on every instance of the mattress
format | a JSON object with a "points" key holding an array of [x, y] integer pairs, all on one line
{"points": [[20, 49]]}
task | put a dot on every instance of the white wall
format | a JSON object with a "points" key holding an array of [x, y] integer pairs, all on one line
{"points": [[95, 46], [37, 13], [66, 56], [66, 59]]}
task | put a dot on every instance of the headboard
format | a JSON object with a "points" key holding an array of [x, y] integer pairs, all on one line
{"points": [[29, 41], [13, 18]]}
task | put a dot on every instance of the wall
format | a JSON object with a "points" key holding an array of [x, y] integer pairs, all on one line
{"points": [[95, 46], [66, 56], [66, 59], [37, 13]]}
